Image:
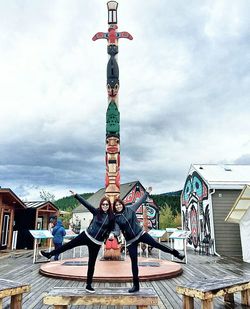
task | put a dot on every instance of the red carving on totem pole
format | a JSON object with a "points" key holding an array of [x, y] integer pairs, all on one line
{"points": [[112, 36]]}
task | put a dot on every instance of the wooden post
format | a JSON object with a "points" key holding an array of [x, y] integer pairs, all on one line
{"points": [[1, 218], [60, 306], [245, 297], [188, 302], [207, 304], [16, 301], [142, 307], [145, 218], [1, 304], [34, 253], [10, 228]]}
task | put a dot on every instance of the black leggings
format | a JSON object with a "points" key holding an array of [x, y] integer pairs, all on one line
{"points": [[81, 240], [132, 249]]}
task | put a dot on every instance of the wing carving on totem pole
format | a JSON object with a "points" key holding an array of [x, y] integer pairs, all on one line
{"points": [[125, 35], [112, 35], [100, 35]]}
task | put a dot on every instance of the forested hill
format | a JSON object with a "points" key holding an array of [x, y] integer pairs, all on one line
{"points": [[69, 202], [171, 199]]}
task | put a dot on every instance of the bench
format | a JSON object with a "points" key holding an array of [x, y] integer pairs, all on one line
{"points": [[15, 290], [64, 296], [208, 289]]}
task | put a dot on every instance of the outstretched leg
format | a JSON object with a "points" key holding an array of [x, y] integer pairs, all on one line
{"points": [[80, 240], [132, 249], [147, 239]]}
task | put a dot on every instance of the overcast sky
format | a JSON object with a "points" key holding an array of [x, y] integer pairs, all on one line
{"points": [[184, 92]]}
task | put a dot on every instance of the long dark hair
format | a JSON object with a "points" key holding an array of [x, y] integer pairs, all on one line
{"points": [[118, 200], [109, 211]]}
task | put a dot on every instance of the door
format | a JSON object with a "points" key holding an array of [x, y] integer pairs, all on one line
{"points": [[5, 230]]}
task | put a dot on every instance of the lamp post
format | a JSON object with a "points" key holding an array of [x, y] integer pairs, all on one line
{"points": [[112, 179], [112, 12]]}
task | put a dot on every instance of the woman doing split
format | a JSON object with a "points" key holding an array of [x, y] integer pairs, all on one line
{"points": [[126, 218], [100, 227]]}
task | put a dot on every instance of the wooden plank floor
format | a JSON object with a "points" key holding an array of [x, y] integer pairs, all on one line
{"points": [[19, 267]]}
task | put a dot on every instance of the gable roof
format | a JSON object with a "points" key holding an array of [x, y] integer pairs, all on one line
{"points": [[11, 197], [96, 197], [40, 204], [224, 176], [240, 206]]}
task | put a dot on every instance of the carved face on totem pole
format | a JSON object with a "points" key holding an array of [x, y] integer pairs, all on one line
{"points": [[112, 145], [112, 163], [112, 50], [112, 119], [112, 72]]}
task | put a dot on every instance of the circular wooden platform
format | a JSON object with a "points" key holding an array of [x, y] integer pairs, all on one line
{"points": [[111, 271]]}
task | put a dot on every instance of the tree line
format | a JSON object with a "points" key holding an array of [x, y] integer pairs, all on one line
{"points": [[171, 199], [68, 203], [169, 206]]}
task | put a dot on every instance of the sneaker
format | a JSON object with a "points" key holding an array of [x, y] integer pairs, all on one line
{"points": [[45, 254], [134, 289], [89, 289], [179, 255]]}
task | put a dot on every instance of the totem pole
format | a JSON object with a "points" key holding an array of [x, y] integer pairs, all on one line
{"points": [[112, 180]]}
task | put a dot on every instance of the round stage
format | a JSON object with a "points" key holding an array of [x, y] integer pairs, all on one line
{"points": [[111, 271]]}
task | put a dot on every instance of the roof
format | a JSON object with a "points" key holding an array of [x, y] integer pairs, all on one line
{"points": [[96, 197], [224, 176], [240, 206], [38, 204], [9, 197]]}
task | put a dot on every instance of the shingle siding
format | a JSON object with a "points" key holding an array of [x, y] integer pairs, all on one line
{"points": [[227, 235]]}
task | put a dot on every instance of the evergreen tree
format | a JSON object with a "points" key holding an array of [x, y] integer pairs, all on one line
{"points": [[168, 219]]}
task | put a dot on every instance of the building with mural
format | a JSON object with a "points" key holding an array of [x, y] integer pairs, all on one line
{"points": [[208, 195], [130, 192]]}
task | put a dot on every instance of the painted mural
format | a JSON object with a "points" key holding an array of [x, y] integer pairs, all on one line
{"points": [[196, 211], [152, 209]]}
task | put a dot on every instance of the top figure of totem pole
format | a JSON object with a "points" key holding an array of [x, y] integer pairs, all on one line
{"points": [[112, 180]]}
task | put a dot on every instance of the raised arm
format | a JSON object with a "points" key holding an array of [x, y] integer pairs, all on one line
{"points": [[90, 208], [137, 204]]}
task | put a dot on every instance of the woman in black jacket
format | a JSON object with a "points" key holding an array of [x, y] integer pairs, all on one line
{"points": [[127, 221], [100, 227]]}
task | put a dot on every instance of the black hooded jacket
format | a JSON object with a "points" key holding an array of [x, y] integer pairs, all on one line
{"points": [[128, 222], [101, 224]]}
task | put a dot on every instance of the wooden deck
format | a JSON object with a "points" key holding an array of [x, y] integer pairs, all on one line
{"points": [[19, 267]]}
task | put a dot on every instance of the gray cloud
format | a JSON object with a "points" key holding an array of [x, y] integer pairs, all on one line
{"points": [[244, 159], [183, 97]]}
